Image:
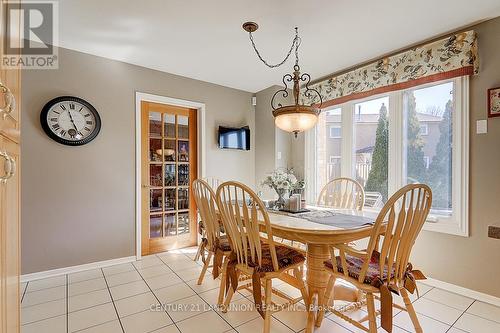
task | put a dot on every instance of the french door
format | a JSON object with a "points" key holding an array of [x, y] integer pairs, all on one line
{"points": [[169, 166]]}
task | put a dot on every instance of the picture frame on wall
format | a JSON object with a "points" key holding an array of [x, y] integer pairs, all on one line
{"points": [[494, 102]]}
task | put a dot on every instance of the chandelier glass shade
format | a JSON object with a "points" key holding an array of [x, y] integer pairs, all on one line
{"points": [[296, 117], [295, 121]]}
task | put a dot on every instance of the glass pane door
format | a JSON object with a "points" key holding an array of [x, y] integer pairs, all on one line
{"points": [[169, 175]]}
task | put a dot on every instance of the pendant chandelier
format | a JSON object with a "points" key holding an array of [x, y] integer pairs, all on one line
{"points": [[298, 117]]}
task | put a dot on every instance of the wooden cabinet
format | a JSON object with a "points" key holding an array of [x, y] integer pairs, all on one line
{"points": [[9, 236], [10, 117], [10, 79]]}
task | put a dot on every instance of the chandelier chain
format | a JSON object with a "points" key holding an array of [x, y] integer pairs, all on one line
{"points": [[295, 43]]}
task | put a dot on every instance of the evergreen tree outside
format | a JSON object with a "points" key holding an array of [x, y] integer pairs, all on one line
{"points": [[415, 164], [439, 174], [377, 178]]}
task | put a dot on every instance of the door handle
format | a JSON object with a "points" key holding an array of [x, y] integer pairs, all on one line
{"points": [[9, 167], [145, 186], [10, 101]]}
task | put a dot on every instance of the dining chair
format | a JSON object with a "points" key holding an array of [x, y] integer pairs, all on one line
{"points": [[245, 219], [383, 267], [213, 183], [342, 193], [215, 244]]}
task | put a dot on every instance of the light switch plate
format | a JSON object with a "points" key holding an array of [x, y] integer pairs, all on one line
{"points": [[482, 126], [279, 155]]}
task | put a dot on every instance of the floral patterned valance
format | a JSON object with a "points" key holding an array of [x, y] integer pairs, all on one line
{"points": [[446, 58]]}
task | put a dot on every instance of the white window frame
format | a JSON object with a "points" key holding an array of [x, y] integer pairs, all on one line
{"points": [[426, 126], [427, 160], [458, 222], [334, 157], [335, 136]]}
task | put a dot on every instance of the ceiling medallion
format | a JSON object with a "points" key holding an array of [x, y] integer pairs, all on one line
{"points": [[298, 117]]}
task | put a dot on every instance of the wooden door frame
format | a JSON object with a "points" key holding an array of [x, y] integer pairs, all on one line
{"points": [[200, 112]]}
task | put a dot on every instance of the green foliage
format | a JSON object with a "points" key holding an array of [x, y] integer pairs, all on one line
{"points": [[377, 178], [416, 168], [439, 173]]}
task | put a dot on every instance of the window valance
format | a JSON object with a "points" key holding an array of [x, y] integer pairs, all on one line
{"points": [[446, 58]]}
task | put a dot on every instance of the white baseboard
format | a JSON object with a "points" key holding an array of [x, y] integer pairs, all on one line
{"points": [[75, 269], [463, 291]]}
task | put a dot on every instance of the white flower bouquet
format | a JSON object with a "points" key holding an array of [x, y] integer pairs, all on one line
{"points": [[282, 181]]}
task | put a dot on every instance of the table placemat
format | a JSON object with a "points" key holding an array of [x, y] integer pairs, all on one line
{"points": [[332, 218]]}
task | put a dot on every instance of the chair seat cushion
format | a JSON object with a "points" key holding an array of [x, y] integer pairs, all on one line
{"points": [[286, 257], [355, 264], [224, 244]]}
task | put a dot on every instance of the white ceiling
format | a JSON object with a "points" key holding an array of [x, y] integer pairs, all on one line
{"points": [[204, 40]]}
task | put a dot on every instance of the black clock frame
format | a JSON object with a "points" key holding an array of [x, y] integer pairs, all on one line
{"points": [[55, 137]]}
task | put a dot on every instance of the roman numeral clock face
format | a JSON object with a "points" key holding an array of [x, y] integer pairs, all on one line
{"points": [[70, 120]]}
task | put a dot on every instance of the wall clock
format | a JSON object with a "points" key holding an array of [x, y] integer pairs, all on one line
{"points": [[70, 120]]}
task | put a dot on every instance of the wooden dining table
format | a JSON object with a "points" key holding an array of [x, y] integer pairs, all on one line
{"points": [[318, 237]]}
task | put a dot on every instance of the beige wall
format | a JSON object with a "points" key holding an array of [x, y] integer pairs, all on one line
{"points": [[474, 262], [269, 142], [78, 203]]}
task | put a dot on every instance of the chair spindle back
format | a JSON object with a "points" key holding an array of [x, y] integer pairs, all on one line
{"points": [[342, 193], [206, 202], [403, 216], [242, 211]]}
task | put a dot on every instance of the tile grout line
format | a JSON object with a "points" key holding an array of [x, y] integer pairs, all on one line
{"points": [[465, 311], [24, 292], [154, 295], [246, 322], [196, 293], [478, 316], [112, 300], [440, 302], [245, 297]]}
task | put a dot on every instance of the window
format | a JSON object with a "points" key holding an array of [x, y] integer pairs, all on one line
{"points": [[427, 161], [335, 132], [371, 146], [334, 159], [424, 129], [418, 135], [329, 168]]}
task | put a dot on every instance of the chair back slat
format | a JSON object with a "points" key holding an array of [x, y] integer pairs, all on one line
{"points": [[242, 211], [403, 217], [342, 193], [206, 203]]}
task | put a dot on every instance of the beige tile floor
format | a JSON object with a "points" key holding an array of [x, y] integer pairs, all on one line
{"points": [[119, 299]]}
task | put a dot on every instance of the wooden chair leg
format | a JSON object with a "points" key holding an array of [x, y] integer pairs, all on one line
{"points": [[229, 296], [299, 275], [324, 301], [205, 267], [267, 317], [372, 318], [411, 311], [222, 288], [330, 288], [198, 253]]}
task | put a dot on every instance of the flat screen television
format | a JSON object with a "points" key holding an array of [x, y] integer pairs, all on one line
{"points": [[234, 138]]}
